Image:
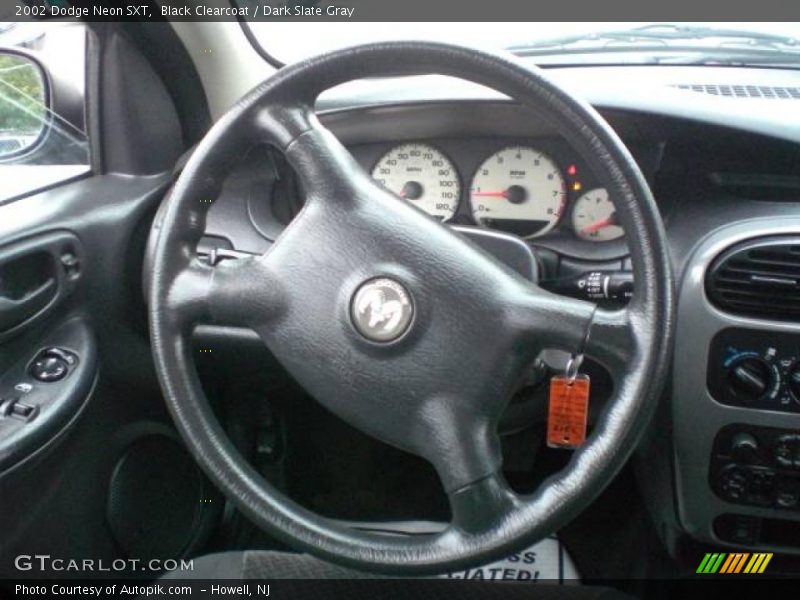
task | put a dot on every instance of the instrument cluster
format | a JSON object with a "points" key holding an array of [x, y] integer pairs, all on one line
{"points": [[526, 189]]}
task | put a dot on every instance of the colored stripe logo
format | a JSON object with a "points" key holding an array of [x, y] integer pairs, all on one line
{"points": [[734, 563]]}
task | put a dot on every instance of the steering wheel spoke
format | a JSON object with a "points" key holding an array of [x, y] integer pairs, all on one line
{"points": [[243, 292], [482, 505], [579, 326], [327, 169], [466, 453], [612, 340], [553, 321]]}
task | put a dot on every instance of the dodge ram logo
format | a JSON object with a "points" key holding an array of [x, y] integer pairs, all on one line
{"points": [[381, 310]]}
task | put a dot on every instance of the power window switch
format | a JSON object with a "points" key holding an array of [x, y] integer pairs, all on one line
{"points": [[5, 406], [23, 411], [12, 407]]}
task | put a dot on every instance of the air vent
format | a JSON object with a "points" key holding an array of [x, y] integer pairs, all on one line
{"points": [[767, 92], [759, 278]]}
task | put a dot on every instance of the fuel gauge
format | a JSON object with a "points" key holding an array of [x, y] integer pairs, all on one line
{"points": [[594, 217]]}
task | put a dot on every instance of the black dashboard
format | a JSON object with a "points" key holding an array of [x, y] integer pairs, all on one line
{"points": [[574, 225], [716, 186]]}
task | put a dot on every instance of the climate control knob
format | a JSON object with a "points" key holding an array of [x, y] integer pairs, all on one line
{"points": [[793, 380], [749, 379]]}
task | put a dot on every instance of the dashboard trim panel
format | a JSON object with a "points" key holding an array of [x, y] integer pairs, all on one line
{"points": [[696, 416]]}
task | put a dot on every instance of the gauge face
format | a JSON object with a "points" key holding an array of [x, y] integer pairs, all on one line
{"points": [[594, 217], [422, 175], [519, 190]]}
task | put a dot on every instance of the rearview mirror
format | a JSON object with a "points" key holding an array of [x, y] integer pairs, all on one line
{"points": [[23, 104]]}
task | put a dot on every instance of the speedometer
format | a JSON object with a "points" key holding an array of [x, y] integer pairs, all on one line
{"points": [[422, 175], [519, 190]]}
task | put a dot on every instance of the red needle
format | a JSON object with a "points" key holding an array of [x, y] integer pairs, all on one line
{"points": [[598, 225], [500, 194]]}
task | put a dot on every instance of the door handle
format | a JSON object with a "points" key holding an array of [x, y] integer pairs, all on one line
{"points": [[36, 275], [13, 312]]}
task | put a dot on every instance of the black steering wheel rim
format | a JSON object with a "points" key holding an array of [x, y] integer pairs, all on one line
{"points": [[490, 521]]}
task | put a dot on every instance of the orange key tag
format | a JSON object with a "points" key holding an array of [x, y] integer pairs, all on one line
{"points": [[569, 411]]}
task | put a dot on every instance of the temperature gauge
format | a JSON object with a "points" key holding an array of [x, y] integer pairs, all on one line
{"points": [[594, 217]]}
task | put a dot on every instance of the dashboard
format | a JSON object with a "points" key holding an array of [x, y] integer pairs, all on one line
{"points": [[722, 173], [528, 187], [486, 165]]}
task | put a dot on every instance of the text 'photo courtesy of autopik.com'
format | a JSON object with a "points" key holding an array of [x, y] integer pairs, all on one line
{"points": [[377, 299]]}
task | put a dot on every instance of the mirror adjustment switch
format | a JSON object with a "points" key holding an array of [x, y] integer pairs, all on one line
{"points": [[67, 357], [52, 365], [49, 369]]}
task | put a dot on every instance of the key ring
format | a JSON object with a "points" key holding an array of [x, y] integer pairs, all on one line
{"points": [[576, 360], [573, 366]]}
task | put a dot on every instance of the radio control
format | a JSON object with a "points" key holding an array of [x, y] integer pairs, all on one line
{"points": [[744, 446], [733, 483], [788, 495], [786, 451], [758, 466]]}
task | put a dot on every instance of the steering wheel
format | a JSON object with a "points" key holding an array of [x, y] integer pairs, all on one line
{"points": [[400, 326]]}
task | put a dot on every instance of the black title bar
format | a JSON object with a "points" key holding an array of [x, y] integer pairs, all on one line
{"points": [[401, 10]]}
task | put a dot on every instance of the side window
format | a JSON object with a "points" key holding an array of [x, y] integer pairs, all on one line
{"points": [[42, 110], [22, 104]]}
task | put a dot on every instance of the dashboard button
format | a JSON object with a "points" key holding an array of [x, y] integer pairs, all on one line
{"points": [[793, 380], [734, 483], [762, 486], [786, 451], [788, 494], [783, 453]]}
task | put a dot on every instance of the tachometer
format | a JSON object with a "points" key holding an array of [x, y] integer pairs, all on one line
{"points": [[594, 217], [422, 175], [519, 190]]}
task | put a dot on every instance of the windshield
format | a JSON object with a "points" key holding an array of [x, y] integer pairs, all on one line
{"points": [[561, 43]]}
